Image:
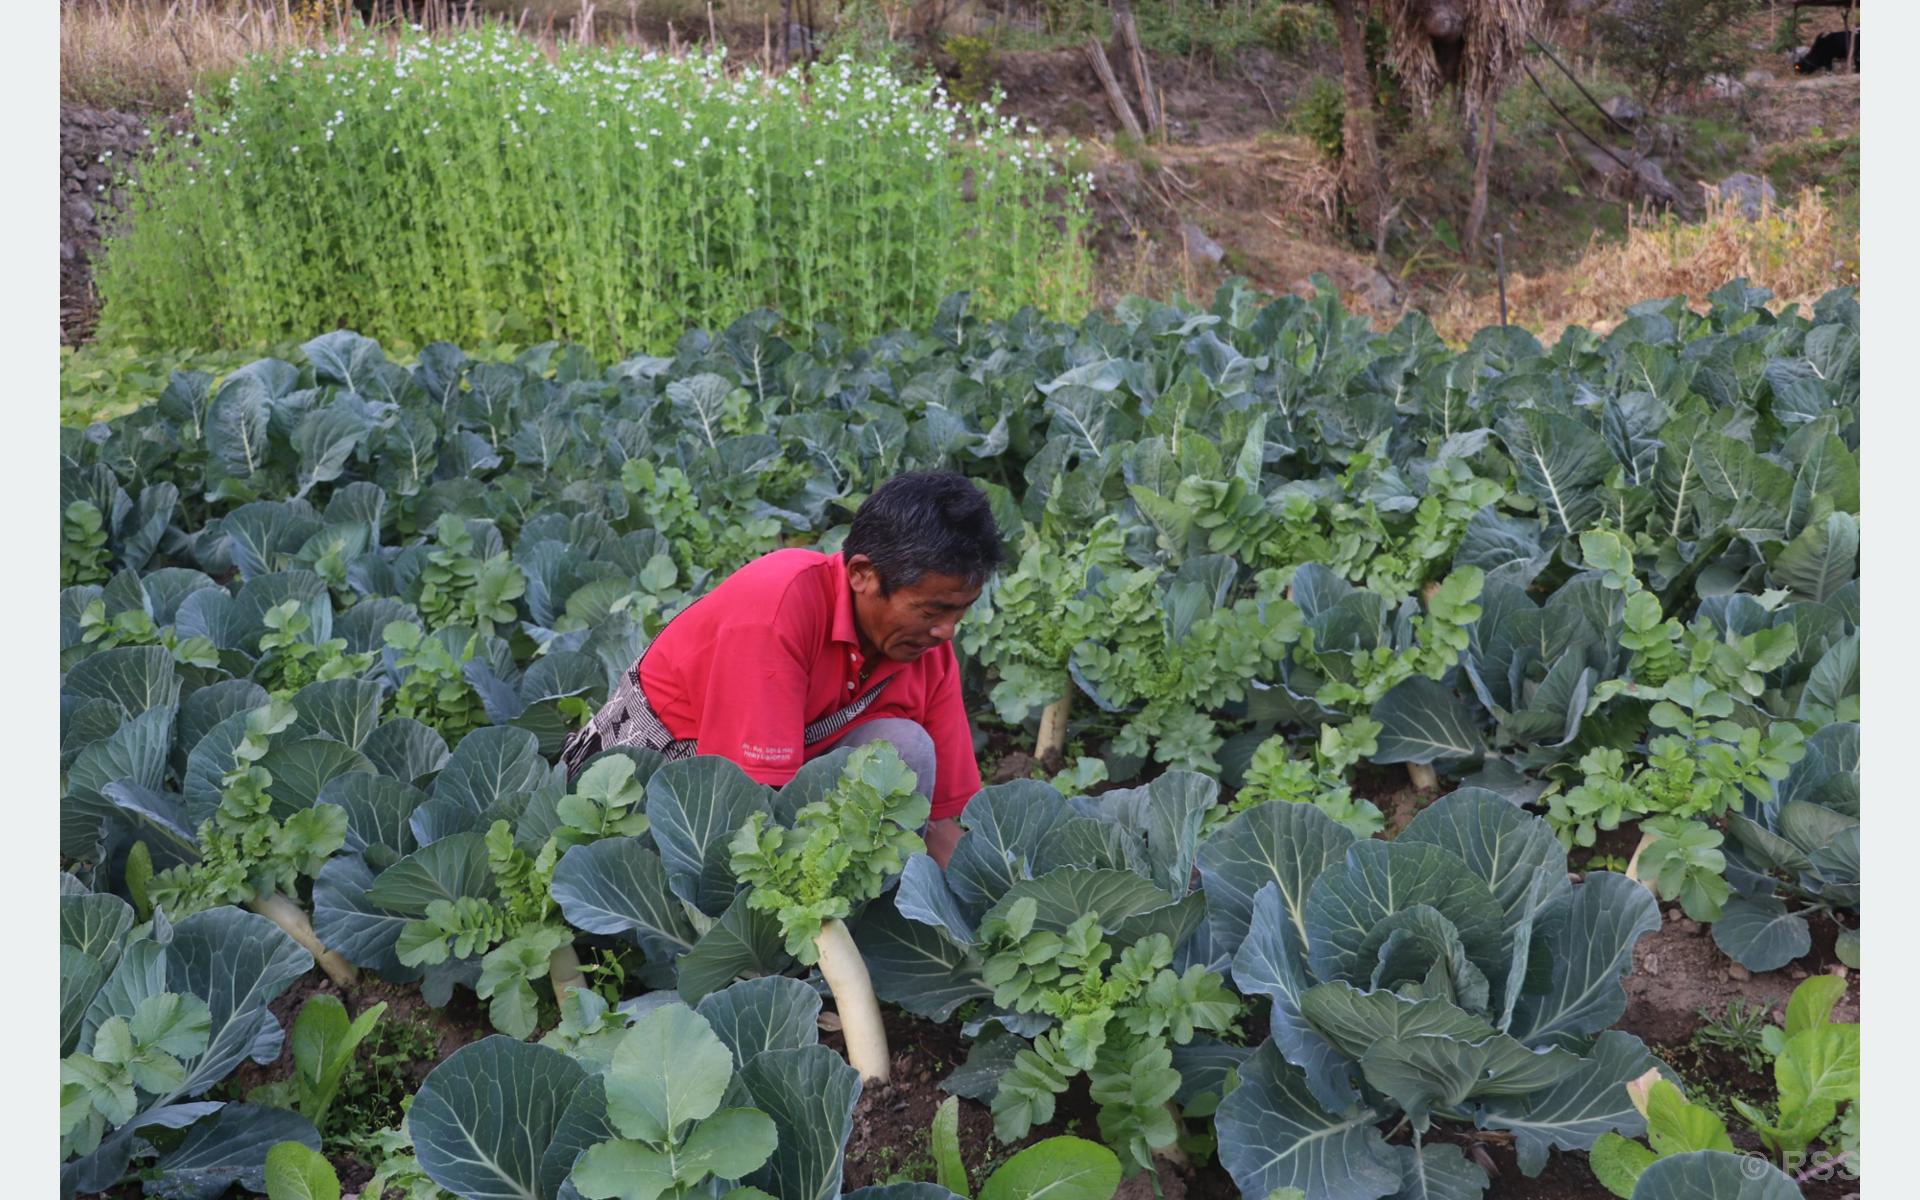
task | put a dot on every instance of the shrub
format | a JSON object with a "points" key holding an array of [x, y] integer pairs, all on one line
{"points": [[1320, 115], [1666, 46], [973, 59], [468, 188], [1295, 28]]}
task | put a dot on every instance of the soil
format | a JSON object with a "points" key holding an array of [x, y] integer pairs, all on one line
{"points": [[1206, 103], [1678, 971], [1716, 1074], [891, 1125], [461, 1022]]}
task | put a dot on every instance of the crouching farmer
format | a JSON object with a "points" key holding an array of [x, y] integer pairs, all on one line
{"points": [[799, 653]]}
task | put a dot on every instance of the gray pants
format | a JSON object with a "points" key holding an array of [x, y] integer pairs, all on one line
{"points": [[909, 738]]}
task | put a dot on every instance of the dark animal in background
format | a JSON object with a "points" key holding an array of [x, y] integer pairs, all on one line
{"points": [[1829, 50]]}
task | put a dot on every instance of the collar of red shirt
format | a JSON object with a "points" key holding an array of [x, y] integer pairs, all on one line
{"points": [[847, 632], [844, 629]]}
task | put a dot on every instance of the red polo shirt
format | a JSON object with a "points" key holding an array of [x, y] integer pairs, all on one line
{"points": [[773, 649]]}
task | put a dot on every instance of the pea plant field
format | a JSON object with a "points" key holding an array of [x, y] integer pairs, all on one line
{"points": [[1382, 735]]}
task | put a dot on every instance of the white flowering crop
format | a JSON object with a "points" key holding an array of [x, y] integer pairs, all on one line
{"points": [[844, 193]]}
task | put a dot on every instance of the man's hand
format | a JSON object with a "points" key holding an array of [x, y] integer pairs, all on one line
{"points": [[941, 837]]}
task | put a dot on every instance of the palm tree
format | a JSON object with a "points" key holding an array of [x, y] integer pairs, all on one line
{"points": [[1471, 47]]}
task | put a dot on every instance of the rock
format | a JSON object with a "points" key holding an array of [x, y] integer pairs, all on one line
{"points": [[1687, 925], [1750, 192], [1738, 973], [1198, 245], [1625, 109], [1652, 180], [1380, 290], [1758, 77], [1648, 179], [1797, 973], [1725, 86]]}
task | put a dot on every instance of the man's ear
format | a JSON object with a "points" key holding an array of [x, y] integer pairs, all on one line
{"points": [[862, 576]]}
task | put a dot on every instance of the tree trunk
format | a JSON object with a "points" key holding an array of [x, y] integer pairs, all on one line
{"points": [[1137, 57], [1482, 168], [1360, 175], [1117, 99]]}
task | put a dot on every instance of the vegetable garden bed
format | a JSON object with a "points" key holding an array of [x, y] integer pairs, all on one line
{"points": [[1391, 751]]}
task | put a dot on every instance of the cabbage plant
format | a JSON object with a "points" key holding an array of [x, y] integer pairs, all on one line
{"points": [[732, 878], [1072, 923], [473, 902], [733, 1097], [1803, 844], [152, 1017], [1453, 974]]}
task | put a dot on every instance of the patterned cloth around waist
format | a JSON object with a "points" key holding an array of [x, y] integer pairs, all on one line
{"points": [[626, 719]]}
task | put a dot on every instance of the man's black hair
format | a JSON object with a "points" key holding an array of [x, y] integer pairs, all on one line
{"points": [[926, 523]]}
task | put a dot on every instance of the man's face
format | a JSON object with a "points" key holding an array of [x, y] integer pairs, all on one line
{"points": [[912, 620]]}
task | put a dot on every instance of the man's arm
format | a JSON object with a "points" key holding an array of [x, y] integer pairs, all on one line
{"points": [[957, 770]]}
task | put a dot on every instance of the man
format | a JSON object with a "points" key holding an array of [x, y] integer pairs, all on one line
{"points": [[798, 653]]}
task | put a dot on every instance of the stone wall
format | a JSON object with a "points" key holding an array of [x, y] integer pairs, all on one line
{"points": [[87, 172]]}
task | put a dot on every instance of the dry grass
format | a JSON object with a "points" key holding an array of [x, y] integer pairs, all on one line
{"points": [[1797, 252], [148, 54], [142, 54]]}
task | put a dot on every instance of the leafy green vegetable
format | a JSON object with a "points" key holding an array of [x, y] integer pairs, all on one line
{"points": [[296, 1172], [840, 850], [1684, 863], [1451, 974], [1113, 1022], [1816, 1069], [1319, 780], [458, 587], [128, 1055], [433, 688], [665, 1087], [83, 545], [324, 1042], [245, 852]]}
